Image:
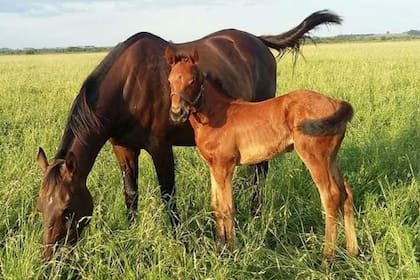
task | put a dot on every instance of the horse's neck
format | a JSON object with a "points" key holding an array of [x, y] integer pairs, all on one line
{"points": [[85, 150]]}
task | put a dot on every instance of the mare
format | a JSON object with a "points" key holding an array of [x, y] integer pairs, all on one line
{"points": [[230, 132], [126, 100]]}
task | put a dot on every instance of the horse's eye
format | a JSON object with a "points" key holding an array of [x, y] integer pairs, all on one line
{"points": [[191, 82]]}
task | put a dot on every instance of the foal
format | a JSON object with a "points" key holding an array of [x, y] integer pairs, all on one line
{"points": [[230, 132]]}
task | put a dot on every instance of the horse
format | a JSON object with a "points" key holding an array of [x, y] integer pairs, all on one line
{"points": [[124, 101], [230, 132]]}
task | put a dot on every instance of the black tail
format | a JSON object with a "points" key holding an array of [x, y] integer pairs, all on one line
{"points": [[329, 125], [292, 39]]}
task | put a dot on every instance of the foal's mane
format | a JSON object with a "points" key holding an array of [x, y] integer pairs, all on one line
{"points": [[82, 116]]}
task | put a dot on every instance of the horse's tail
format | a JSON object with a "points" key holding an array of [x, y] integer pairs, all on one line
{"points": [[329, 125], [291, 40]]}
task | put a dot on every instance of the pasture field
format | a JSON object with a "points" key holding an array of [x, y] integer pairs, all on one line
{"points": [[380, 158]]}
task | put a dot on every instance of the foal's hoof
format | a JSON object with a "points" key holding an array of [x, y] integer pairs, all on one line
{"points": [[353, 251], [224, 252], [326, 262]]}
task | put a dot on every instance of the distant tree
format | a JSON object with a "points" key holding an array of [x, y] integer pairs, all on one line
{"points": [[413, 32], [30, 51]]}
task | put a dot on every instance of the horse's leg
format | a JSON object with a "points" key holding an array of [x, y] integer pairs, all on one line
{"points": [[128, 160], [258, 174], [222, 204], [350, 232], [316, 154], [163, 159]]}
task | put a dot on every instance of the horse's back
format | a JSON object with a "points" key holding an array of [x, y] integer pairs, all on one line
{"points": [[135, 89], [238, 61]]}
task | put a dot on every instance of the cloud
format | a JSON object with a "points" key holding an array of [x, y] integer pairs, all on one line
{"points": [[48, 23], [50, 7], [41, 8]]}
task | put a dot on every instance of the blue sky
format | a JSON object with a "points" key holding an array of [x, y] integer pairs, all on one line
{"points": [[48, 23]]}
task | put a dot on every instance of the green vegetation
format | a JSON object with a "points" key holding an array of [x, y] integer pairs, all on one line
{"points": [[346, 38], [379, 158], [79, 49]]}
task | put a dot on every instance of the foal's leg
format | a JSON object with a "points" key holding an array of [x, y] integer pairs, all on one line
{"points": [[258, 174], [222, 204], [351, 239], [316, 157], [163, 160], [128, 161], [350, 232]]}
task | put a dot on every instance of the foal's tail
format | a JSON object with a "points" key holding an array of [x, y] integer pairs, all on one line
{"points": [[329, 125], [291, 40]]}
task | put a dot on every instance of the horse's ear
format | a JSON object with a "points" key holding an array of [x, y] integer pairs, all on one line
{"points": [[194, 57], [71, 163], [41, 158], [170, 55]]}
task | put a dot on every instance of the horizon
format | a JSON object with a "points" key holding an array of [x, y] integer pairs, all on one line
{"points": [[39, 24], [392, 35]]}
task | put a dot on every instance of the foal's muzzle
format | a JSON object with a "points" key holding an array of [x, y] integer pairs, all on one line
{"points": [[179, 115], [180, 112]]}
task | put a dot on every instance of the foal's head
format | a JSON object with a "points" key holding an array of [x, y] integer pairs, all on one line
{"points": [[186, 83], [64, 201]]}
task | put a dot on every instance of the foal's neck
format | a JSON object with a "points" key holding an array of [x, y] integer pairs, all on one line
{"points": [[214, 103]]}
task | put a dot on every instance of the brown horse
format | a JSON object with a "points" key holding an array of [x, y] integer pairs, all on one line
{"points": [[126, 99], [230, 132]]}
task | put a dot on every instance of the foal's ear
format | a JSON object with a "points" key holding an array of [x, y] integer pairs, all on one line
{"points": [[194, 57], [71, 163], [41, 158], [170, 55]]}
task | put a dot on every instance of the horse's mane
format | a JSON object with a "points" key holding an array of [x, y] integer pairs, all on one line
{"points": [[82, 116]]}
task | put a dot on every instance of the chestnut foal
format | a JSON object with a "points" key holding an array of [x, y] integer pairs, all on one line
{"points": [[230, 132]]}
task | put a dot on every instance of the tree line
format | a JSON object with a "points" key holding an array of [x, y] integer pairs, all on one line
{"points": [[409, 35], [388, 36], [79, 49]]}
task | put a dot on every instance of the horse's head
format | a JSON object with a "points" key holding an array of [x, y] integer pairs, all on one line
{"points": [[186, 84], [64, 201]]}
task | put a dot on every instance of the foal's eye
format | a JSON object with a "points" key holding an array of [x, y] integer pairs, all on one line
{"points": [[191, 82]]}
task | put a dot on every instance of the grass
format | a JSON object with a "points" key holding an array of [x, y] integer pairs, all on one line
{"points": [[380, 158]]}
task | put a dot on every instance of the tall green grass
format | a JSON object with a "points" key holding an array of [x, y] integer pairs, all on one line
{"points": [[379, 157]]}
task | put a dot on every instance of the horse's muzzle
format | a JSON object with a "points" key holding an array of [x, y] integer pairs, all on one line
{"points": [[50, 248], [179, 116]]}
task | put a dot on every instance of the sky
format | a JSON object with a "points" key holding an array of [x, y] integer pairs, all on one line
{"points": [[49, 23]]}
